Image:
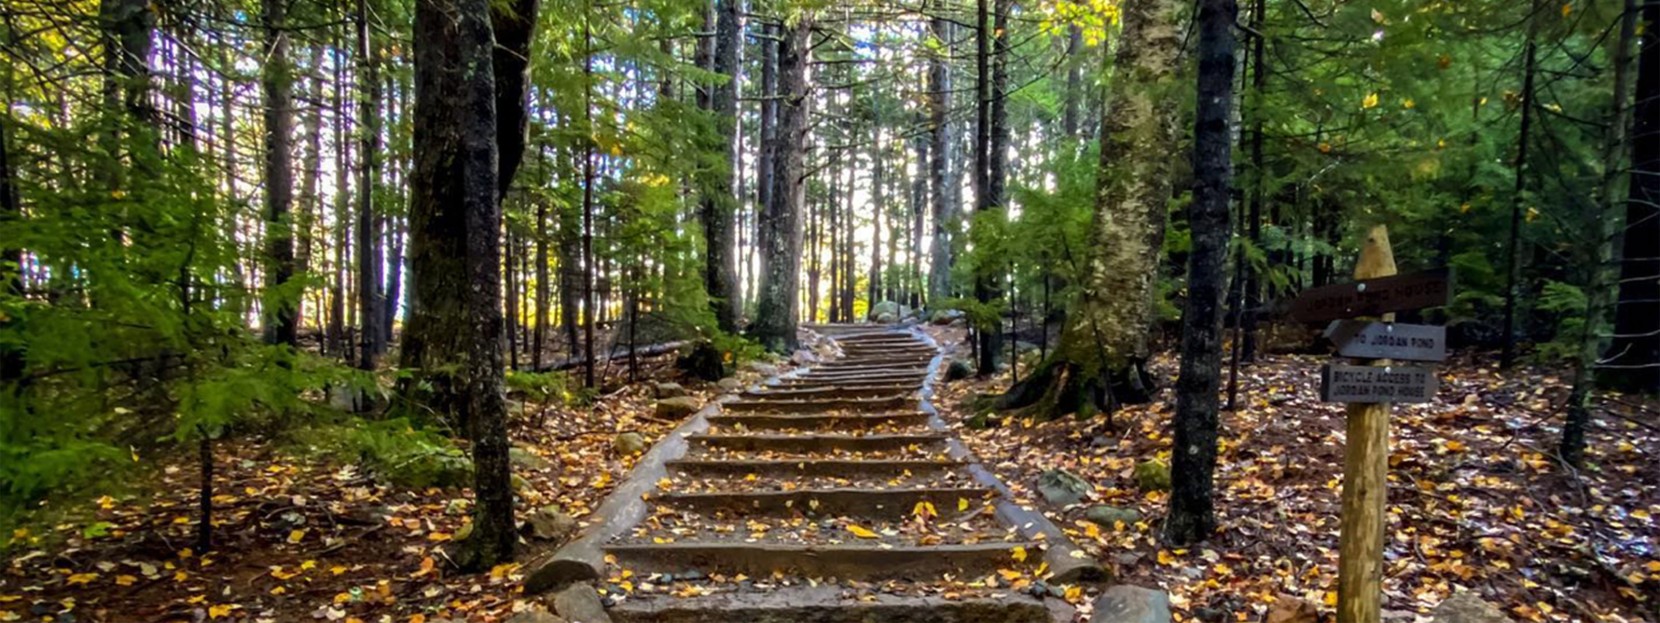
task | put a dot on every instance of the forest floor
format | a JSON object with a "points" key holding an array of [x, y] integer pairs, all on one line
{"points": [[303, 540], [1475, 500]]}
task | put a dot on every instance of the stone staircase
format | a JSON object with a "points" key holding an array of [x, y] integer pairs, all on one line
{"points": [[829, 495]]}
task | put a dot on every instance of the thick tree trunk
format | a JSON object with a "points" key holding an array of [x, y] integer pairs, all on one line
{"points": [[719, 203], [370, 296], [1101, 358], [1633, 357], [514, 24], [1193, 461], [939, 168], [455, 257], [282, 313], [1600, 228], [780, 235]]}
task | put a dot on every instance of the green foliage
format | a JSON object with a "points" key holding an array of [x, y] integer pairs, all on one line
{"points": [[393, 451], [548, 388], [1565, 304]]}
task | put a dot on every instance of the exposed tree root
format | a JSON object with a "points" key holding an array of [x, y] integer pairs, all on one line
{"points": [[1059, 387]]}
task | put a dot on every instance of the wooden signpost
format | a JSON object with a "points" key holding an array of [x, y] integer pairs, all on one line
{"points": [[1368, 389]]}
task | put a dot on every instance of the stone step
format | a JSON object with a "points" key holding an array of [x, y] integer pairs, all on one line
{"points": [[852, 561], [816, 422], [908, 379], [832, 391], [848, 468], [874, 362], [909, 347], [858, 503], [815, 443], [878, 403], [854, 374], [833, 604]]}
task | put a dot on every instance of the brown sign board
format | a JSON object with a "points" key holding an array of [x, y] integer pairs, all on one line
{"points": [[1388, 340], [1373, 297], [1345, 383]]}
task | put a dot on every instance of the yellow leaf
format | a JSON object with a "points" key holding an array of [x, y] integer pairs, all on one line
{"points": [[1331, 599], [1408, 104], [1566, 9], [1165, 558], [861, 531], [296, 536], [220, 611], [418, 618], [82, 578], [962, 504], [1009, 575], [1019, 553], [1532, 214], [1325, 148], [1371, 101], [125, 580], [1073, 593]]}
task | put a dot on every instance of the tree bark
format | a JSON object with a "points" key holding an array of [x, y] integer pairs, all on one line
{"points": [[1193, 462], [370, 296], [11, 264], [780, 235], [1632, 361], [993, 156], [455, 257], [281, 320], [1602, 228], [939, 168], [719, 203], [1100, 361]]}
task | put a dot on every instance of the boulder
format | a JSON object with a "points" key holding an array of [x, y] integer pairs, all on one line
{"points": [[670, 390], [550, 524], [1132, 604], [1062, 488], [1110, 516], [730, 385], [958, 370], [762, 368], [523, 458], [629, 443], [886, 312], [1467, 607], [1152, 475], [677, 408], [535, 616], [945, 316], [579, 603], [704, 361]]}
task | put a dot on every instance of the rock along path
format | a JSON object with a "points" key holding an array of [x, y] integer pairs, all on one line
{"points": [[828, 495]]}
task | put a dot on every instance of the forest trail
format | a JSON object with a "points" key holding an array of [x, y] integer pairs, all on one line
{"points": [[837, 494]]}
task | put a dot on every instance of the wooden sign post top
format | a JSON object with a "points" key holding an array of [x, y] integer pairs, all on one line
{"points": [[1373, 296]]}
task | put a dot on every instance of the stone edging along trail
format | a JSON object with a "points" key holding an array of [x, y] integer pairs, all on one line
{"points": [[833, 422]]}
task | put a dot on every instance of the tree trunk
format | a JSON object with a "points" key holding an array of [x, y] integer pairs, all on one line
{"points": [[11, 265], [1602, 228], [1632, 361], [370, 296], [1192, 513], [780, 235], [720, 194], [281, 320], [1254, 282], [340, 275], [939, 168], [455, 257], [1074, 81], [878, 205], [1513, 252], [992, 155], [1100, 360]]}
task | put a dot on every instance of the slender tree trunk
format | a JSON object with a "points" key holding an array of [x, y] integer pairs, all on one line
{"points": [[342, 215], [720, 193], [992, 155], [282, 311], [370, 296], [1070, 114], [1633, 356], [543, 288], [1513, 254], [919, 207], [1602, 228], [1192, 513], [1254, 282], [878, 206], [939, 168], [780, 237], [588, 312], [12, 359]]}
